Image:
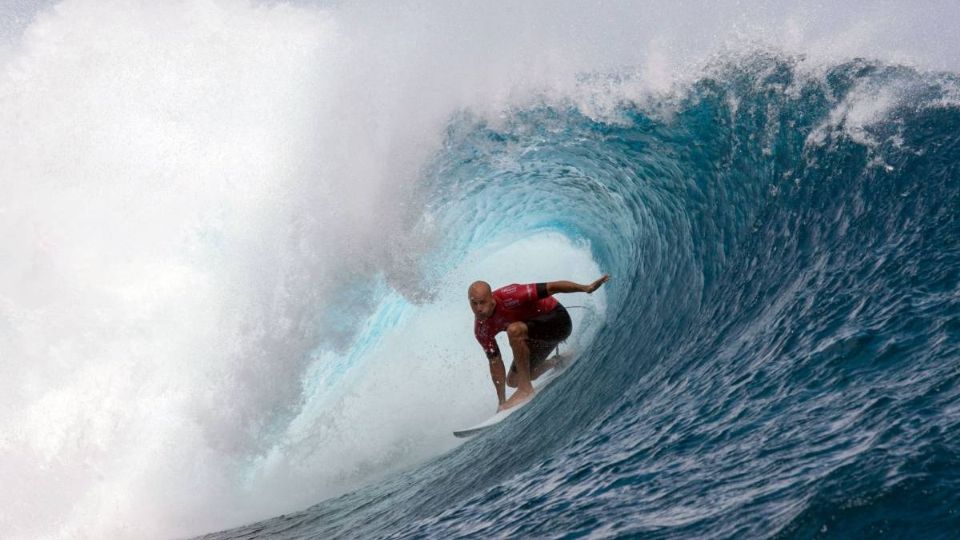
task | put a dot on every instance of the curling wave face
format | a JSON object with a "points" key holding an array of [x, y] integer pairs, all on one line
{"points": [[779, 352]]}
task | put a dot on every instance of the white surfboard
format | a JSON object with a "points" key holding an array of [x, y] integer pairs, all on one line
{"points": [[538, 385]]}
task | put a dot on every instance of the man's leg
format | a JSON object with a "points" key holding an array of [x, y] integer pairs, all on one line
{"points": [[540, 350], [539, 360], [542, 367], [544, 333], [517, 332]]}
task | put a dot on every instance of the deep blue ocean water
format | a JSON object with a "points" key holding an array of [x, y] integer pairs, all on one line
{"points": [[781, 351]]}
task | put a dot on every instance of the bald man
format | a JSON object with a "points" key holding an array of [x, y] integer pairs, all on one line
{"points": [[535, 323]]}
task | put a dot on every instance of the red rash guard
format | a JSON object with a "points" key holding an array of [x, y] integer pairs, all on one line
{"points": [[514, 303]]}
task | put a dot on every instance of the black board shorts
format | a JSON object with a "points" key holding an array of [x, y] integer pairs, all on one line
{"points": [[545, 332]]}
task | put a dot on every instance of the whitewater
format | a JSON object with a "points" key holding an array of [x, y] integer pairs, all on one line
{"points": [[236, 238]]}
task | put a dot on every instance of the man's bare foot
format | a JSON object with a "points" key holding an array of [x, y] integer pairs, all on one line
{"points": [[557, 361], [561, 361], [517, 398]]}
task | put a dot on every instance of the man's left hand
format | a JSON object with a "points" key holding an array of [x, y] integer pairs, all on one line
{"points": [[596, 284]]}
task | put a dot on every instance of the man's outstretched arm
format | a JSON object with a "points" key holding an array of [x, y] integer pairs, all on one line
{"points": [[571, 287]]}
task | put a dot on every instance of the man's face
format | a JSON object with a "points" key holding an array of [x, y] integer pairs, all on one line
{"points": [[482, 304]]}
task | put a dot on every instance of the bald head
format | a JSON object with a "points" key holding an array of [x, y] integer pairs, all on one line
{"points": [[481, 299], [480, 288]]}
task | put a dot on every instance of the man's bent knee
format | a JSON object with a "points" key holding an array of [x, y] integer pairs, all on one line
{"points": [[517, 330]]}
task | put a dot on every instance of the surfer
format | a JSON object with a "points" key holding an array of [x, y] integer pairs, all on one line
{"points": [[535, 323]]}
